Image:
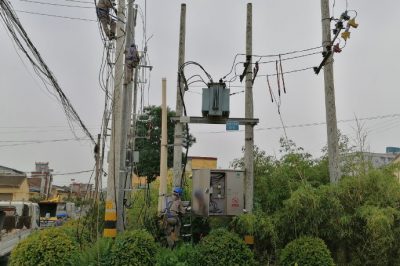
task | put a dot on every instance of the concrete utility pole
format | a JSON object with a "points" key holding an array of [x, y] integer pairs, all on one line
{"points": [[110, 229], [331, 123], [125, 124], [178, 133], [126, 117], [164, 149], [249, 129]]}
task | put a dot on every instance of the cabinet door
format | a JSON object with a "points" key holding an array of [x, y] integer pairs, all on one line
{"points": [[201, 191], [234, 192]]}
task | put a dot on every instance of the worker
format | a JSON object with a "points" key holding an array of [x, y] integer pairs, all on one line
{"points": [[103, 13], [131, 61], [174, 221]]}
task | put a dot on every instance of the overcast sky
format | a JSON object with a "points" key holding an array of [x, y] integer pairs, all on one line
{"points": [[366, 74]]}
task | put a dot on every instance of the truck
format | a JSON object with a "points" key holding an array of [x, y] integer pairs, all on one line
{"points": [[54, 212], [18, 219]]}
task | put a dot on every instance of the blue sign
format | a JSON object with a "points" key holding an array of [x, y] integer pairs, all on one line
{"points": [[232, 125]]}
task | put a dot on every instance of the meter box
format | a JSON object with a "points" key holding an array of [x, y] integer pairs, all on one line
{"points": [[215, 101], [217, 192]]}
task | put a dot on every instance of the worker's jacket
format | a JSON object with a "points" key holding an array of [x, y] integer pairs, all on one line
{"points": [[103, 7], [177, 207], [132, 57]]}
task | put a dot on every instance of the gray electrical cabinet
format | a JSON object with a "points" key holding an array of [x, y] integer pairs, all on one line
{"points": [[217, 192], [215, 102]]}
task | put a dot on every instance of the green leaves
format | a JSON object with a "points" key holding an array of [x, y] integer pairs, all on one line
{"points": [[45, 248], [222, 247], [306, 251]]}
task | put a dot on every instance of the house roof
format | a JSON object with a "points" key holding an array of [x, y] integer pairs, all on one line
{"points": [[202, 158], [10, 177], [7, 171]]}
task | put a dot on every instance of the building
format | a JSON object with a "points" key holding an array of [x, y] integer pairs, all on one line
{"points": [[61, 192], [82, 190], [43, 172], [199, 162], [379, 159], [34, 184], [13, 185]]}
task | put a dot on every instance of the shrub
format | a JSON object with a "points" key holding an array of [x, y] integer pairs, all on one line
{"points": [[48, 247], [261, 227], [96, 255], [135, 247], [222, 247], [306, 251], [184, 255]]}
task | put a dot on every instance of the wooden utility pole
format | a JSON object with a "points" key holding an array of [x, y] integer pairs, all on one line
{"points": [[113, 187], [164, 149], [331, 123], [249, 129], [180, 92]]}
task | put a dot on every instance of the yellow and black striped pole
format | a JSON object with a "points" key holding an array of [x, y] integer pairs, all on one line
{"points": [[110, 220]]}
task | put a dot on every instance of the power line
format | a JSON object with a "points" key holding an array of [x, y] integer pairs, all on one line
{"points": [[42, 141], [56, 16], [52, 4], [308, 124], [17, 31], [73, 173]]}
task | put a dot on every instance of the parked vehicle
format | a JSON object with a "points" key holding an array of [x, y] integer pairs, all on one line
{"points": [[54, 212], [18, 219]]}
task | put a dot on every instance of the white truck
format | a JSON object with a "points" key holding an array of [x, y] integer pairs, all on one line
{"points": [[18, 219]]}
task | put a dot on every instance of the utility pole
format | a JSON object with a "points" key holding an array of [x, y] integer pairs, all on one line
{"points": [[331, 123], [164, 149], [126, 115], [110, 227], [180, 92], [249, 129]]}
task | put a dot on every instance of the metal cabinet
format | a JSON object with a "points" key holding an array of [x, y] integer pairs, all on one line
{"points": [[217, 192]]}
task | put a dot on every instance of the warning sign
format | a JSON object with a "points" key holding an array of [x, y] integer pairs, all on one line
{"points": [[235, 202]]}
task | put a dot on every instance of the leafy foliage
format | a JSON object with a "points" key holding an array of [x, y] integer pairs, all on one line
{"points": [[222, 247], [49, 247], [184, 255], [135, 247], [306, 251], [149, 141], [262, 228], [97, 255]]}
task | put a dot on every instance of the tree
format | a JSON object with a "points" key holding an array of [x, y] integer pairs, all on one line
{"points": [[148, 141]]}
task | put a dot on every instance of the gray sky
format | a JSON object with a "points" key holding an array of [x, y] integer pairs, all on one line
{"points": [[365, 76]]}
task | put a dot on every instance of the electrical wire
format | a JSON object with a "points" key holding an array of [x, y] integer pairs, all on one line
{"points": [[42, 141], [18, 32], [53, 4], [270, 55], [55, 16], [303, 125]]}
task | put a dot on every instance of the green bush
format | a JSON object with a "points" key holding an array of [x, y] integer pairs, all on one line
{"points": [[133, 248], [184, 255], [48, 247], [96, 255], [222, 247], [306, 251], [261, 227]]}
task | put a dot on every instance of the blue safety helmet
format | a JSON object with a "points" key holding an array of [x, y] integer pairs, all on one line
{"points": [[178, 191]]}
